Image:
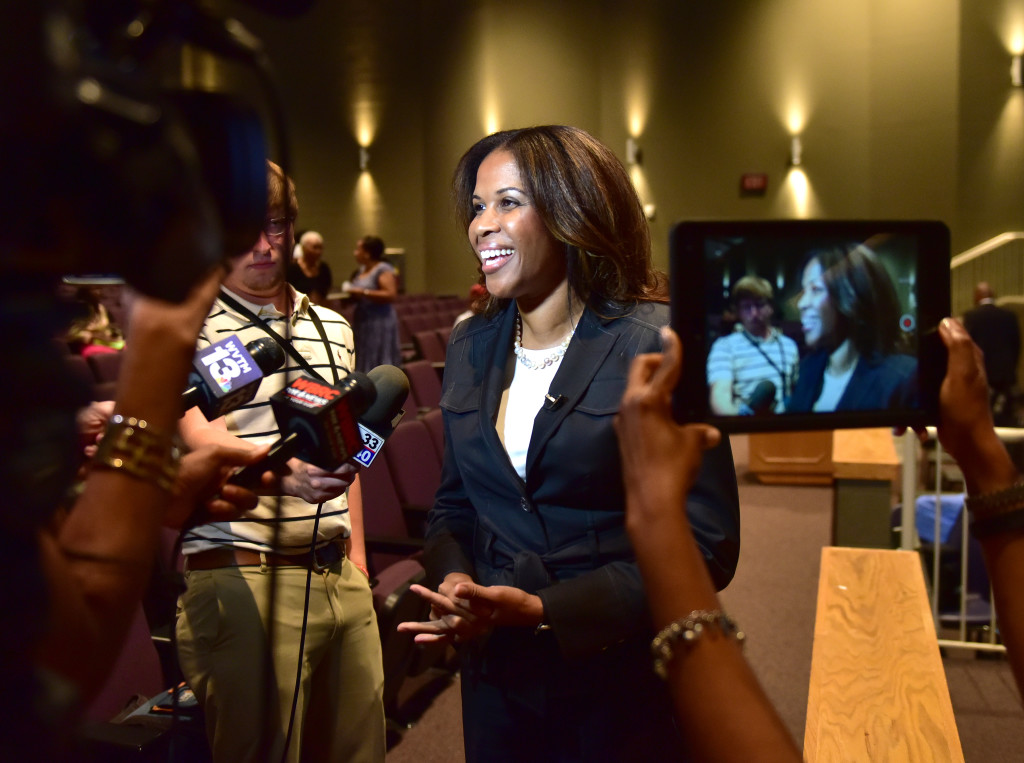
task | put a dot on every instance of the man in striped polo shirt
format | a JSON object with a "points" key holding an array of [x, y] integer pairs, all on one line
{"points": [[305, 541], [753, 368]]}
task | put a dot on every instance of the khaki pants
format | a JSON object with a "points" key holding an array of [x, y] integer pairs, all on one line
{"points": [[222, 648]]}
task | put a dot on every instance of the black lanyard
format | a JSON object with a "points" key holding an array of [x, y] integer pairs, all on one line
{"points": [[287, 346], [782, 358]]}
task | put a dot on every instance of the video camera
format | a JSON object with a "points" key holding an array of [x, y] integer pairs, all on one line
{"points": [[110, 165]]}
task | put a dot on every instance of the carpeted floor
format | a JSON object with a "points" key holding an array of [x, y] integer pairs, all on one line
{"points": [[773, 598]]}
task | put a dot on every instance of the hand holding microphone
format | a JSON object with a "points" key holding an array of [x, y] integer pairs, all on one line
{"points": [[761, 400], [375, 425], [318, 421], [318, 426], [224, 377], [201, 494], [319, 432]]}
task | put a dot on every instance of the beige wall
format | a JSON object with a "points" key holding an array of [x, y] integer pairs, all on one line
{"points": [[346, 69], [905, 109], [505, 69], [990, 148]]}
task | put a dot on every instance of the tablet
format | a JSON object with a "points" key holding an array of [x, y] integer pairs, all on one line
{"points": [[809, 324]]}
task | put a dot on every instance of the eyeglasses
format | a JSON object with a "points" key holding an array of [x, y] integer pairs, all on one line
{"points": [[748, 305], [276, 227]]}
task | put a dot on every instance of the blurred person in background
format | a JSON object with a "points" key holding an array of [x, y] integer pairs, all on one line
{"points": [[94, 331], [374, 287], [308, 272], [997, 332]]}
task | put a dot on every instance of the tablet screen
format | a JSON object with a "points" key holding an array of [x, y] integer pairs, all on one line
{"points": [[791, 325]]}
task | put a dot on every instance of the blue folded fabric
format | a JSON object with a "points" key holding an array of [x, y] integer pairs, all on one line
{"points": [[924, 513]]}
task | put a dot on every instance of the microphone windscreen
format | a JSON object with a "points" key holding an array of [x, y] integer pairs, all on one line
{"points": [[267, 353], [392, 387], [762, 397], [362, 395]]}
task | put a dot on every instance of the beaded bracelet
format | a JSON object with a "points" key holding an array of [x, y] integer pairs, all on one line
{"points": [[130, 445], [688, 630], [998, 502], [997, 512]]}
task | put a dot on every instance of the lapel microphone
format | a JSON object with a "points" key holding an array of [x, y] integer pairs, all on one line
{"points": [[552, 403]]}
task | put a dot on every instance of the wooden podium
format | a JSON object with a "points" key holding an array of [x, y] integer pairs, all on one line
{"points": [[792, 458], [866, 470], [861, 464]]}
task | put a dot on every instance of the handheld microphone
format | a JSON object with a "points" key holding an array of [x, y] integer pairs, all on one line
{"points": [[381, 418], [227, 375], [318, 424], [762, 399]]}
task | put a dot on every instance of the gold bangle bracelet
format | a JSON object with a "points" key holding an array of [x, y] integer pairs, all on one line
{"points": [[129, 444]]}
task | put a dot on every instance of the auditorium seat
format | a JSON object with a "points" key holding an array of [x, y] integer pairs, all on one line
{"points": [[405, 341], [79, 368], [434, 421], [104, 390], [394, 603], [429, 346], [415, 471], [444, 333], [414, 322], [409, 304], [388, 539], [105, 367], [136, 672], [392, 557], [424, 384]]}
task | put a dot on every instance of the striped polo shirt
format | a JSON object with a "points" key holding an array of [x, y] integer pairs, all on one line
{"points": [[291, 517]]}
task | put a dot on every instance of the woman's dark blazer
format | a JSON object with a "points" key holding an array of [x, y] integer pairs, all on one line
{"points": [[560, 533], [886, 381]]}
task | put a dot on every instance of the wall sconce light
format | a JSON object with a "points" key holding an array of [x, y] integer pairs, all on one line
{"points": [[796, 151], [634, 155], [1016, 76], [364, 158]]}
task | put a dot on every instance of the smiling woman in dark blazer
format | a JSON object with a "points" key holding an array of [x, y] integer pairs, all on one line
{"points": [[537, 583], [850, 316]]}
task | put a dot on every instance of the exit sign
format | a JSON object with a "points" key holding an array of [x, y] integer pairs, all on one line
{"points": [[753, 184]]}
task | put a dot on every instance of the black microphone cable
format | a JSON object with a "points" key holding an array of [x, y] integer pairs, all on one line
{"points": [[254, 54], [302, 636], [261, 65], [309, 571], [172, 564]]}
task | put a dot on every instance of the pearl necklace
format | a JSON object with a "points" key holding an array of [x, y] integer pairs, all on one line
{"points": [[551, 359]]}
